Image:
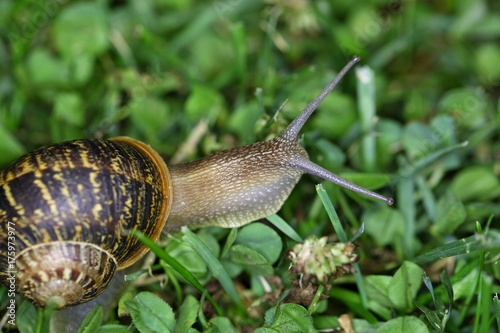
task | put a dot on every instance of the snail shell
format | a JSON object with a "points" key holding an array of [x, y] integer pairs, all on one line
{"points": [[73, 207]]}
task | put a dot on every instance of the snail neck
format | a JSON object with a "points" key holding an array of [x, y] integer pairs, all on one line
{"points": [[234, 187]]}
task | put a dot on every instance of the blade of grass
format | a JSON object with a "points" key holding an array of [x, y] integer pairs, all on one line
{"points": [[284, 227], [337, 226], [406, 203], [442, 289], [428, 284], [483, 291], [177, 266], [354, 302], [358, 233], [346, 209], [238, 38], [168, 271], [445, 278], [437, 317], [464, 245], [332, 214], [44, 315], [366, 107], [431, 316], [229, 241], [201, 315], [469, 244], [213, 264], [314, 303], [177, 287], [428, 198], [496, 310], [412, 169]]}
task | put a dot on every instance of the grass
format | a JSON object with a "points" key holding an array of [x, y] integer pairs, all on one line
{"points": [[418, 120]]}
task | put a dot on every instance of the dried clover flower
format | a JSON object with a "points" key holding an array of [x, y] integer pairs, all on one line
{"points": [[315, 258]]}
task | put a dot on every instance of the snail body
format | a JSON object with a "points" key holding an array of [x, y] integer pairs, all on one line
{"points": [[74, 205]]}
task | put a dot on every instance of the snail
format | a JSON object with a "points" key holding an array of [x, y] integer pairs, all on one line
{"points": [[72, 206]]}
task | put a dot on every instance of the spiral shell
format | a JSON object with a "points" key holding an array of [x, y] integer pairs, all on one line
{"points": [[71, 209]]}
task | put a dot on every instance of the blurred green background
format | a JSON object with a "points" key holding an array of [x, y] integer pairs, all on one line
{"points": [[193, 77]]}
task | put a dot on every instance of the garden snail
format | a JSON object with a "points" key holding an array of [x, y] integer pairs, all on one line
{"points": [[73, 205]]}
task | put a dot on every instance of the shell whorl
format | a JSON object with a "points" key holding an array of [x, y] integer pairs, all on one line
{"points": [[82, 191], [64, 273]]}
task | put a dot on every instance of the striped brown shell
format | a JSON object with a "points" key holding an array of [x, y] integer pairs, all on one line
{"points": [[67, 213]]}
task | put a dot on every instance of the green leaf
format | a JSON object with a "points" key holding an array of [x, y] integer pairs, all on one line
{"points": [[444, 127], [465, 105], [335, 116], [45, 70], [419, 140], [92, 320], [69, 109], [82, 69], [113, 328], [385, 225], [466, 286], [403, 325], [204, 102], [149, 114], [221, 325], [265, 330], [80, 29], [270, 315], [26, 317], [10, 147], [261, 239], [485, 60], [129, 294], [450, 214], [244, 255], [253, 261], [187, 314], [292, 317], [377, 290], [151, 314], [405, 285], [243, 119], [476, 183], [332, 156], [416, 106], [389, 135]]}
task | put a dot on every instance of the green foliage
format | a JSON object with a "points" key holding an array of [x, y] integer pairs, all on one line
{"points": [[287, 318], [92, 321], [151, 314], [403, 324], [418, 120], [394, 292]]}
